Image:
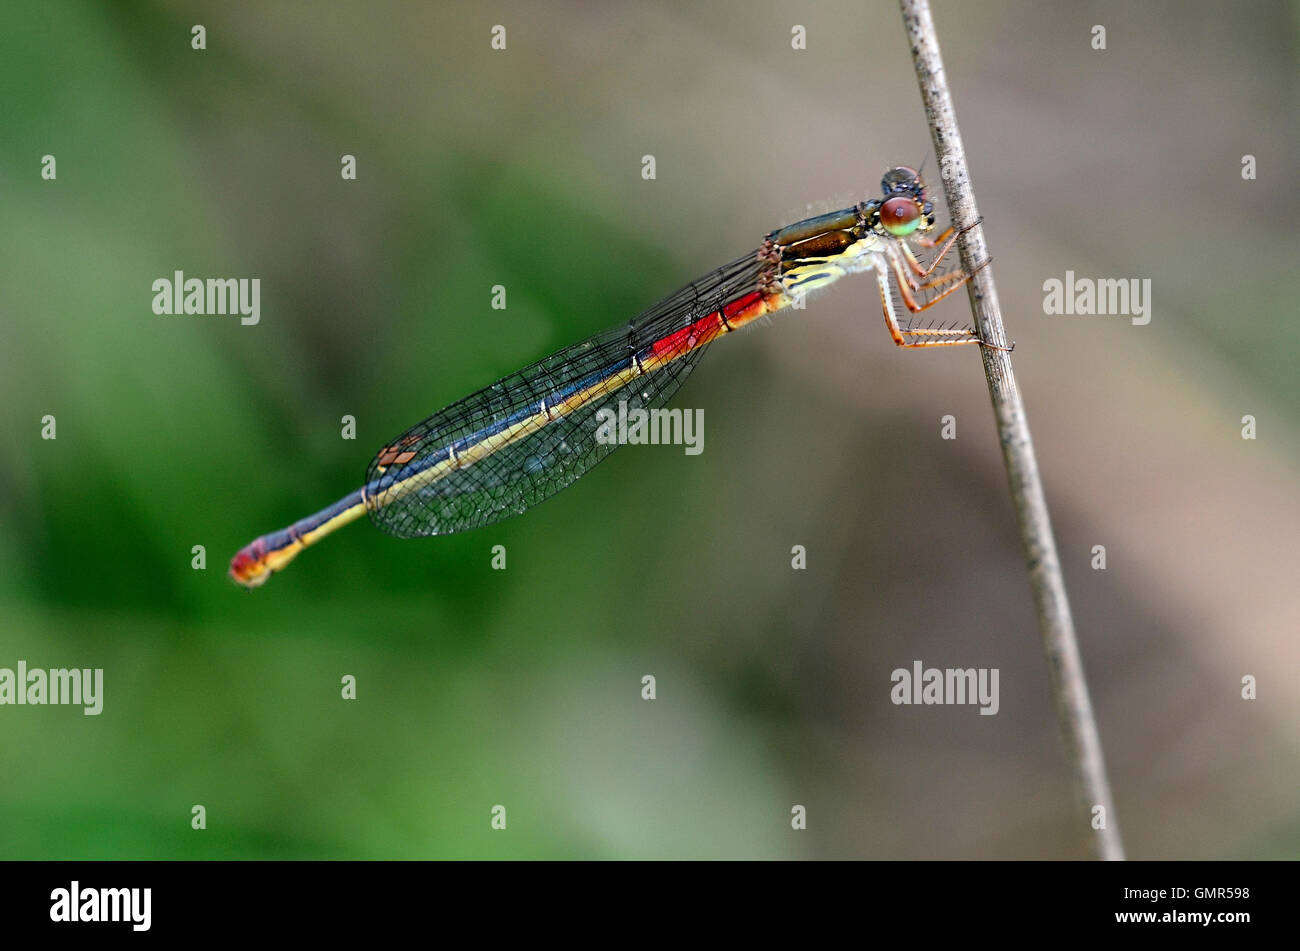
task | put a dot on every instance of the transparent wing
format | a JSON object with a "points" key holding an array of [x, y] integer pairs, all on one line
{"points": [[517, 442]]}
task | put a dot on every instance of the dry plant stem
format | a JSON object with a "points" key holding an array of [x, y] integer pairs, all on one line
{"points": [[1074, 708]]}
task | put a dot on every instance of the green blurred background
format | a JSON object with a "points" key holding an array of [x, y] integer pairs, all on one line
{"points": [[522, 168]]}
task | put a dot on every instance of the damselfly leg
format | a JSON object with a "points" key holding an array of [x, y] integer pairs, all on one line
{"points": [[947, 240], [952, 337]]}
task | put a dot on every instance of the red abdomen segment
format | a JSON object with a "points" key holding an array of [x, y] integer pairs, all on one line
{"points": [[736, 314]]}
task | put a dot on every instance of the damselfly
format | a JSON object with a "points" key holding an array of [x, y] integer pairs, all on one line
{"points": [[507, 447]]}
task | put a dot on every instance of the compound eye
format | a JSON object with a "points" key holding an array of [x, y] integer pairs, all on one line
{"points": [[901, 179], [900, 216]]}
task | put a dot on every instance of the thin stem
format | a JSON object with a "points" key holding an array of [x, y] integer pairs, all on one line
{"points": [[1073, 706]]}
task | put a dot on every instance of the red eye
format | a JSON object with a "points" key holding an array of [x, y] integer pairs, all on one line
{"points": [[900, 215]]}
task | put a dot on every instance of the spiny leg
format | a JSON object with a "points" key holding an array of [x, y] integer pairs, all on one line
{"points": [[967, 336], [938, 282], [891, 322], [917, 285], [919, 269], [947, 239], [947, 235], [925, 242], [928, 242], [958, 279]]}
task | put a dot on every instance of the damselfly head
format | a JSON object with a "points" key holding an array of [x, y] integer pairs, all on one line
{"points": [[905, 209], [903, 179]]}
